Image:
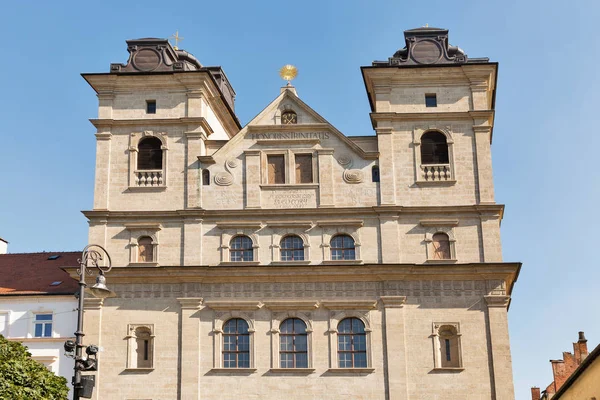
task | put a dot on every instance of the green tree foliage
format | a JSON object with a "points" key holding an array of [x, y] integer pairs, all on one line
{"points": [[23, 378]]}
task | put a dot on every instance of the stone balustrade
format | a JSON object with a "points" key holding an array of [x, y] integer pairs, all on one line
{"points": [[436, 172], [150, 177]]}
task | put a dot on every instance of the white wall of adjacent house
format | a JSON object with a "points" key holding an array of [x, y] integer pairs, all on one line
{"points": [[42, 323], [3, 246]]}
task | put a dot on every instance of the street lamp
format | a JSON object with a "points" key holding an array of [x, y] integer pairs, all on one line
{"points": [[93, 256]]}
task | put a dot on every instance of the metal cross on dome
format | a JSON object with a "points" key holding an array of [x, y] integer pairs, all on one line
{"points": [[177, 39]]}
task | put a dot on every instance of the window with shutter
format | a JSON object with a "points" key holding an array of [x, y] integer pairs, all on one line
{"points": [[304, 173], [276, 169], [441, 247]]}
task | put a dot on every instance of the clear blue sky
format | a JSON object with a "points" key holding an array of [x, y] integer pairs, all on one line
{"points": [[545, 141]]}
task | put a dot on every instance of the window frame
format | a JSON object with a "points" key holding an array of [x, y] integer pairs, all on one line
{"points": [[289, 162], [219, 323], [229, 230], [43, 324], [428, 100], [131, 338], [439, 352], [292, 236], [137, 231], [149, 109], [277, 320], [433, 174], [334, 321], [342, 249], [294, 337], [242, 250], [158, 177], [237, 334], [430, 250], [352, 335]]}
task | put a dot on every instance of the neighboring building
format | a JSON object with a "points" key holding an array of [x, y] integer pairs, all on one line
{"points": [[38, 307], [287, 259], [3, 246], [576, 375]]}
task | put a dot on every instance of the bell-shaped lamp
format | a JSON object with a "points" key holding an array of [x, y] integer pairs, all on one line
{"points": [[100, 290]]}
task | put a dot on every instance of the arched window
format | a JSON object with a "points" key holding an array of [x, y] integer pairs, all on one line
{"points": [[236, 344], [292, 248], [441, 246], [149, 154], [375, 174], [342, 248], [205, 177], [240, 249], [145, 249], [434, 148], [293, 348], [289, 117], [352, 344], [143, 347], [140, 346], [449, 351]]}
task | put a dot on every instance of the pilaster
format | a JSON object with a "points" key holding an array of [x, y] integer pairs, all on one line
{"points": [[189, 370], [490, 237], [253, 171], [103, 162], [395, 366], [192, 242], [326, 196], [500, 346], [388, 238], [387, 176], [193, 182], [484, 164]]}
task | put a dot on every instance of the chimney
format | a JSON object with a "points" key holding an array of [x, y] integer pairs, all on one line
{"points": [[3, 246], [535, 393], [581, 350]]}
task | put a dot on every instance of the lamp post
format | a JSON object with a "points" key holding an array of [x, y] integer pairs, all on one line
{"points": [[93, 256]]}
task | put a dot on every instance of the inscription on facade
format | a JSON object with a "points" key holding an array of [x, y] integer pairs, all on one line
{"points": [[292, 199], [289, 135]]}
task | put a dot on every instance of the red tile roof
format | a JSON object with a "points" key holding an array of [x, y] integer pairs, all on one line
{"points": [[33, 273]]}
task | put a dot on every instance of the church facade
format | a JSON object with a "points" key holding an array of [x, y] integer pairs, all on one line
{"points": [[284, 258]]}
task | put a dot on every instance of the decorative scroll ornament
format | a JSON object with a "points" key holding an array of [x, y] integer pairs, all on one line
{"points": [[353, 176], [345, 161], [350, 175], [226, 178]]}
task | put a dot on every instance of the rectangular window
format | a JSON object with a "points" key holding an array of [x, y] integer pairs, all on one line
{"points": [[430, 100], [43, 325], [276, 169], [304, 172], [150, 106]]}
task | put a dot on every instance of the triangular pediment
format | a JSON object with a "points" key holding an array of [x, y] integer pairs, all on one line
{"points": [[310, 125]]}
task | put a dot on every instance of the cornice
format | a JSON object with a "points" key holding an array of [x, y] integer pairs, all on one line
{"points": [[109, 122], [393, 301], [314, 213], [506, 271], [289, 128], [432, 116], [286, 305]]}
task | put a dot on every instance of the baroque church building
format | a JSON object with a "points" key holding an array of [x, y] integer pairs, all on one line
{"points": [[285, 259]]}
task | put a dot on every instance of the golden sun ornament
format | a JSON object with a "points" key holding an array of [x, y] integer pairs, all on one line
{"points": [[288, 72]]}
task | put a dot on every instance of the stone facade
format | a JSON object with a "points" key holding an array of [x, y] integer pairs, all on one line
{"points": [[171, 234]]}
